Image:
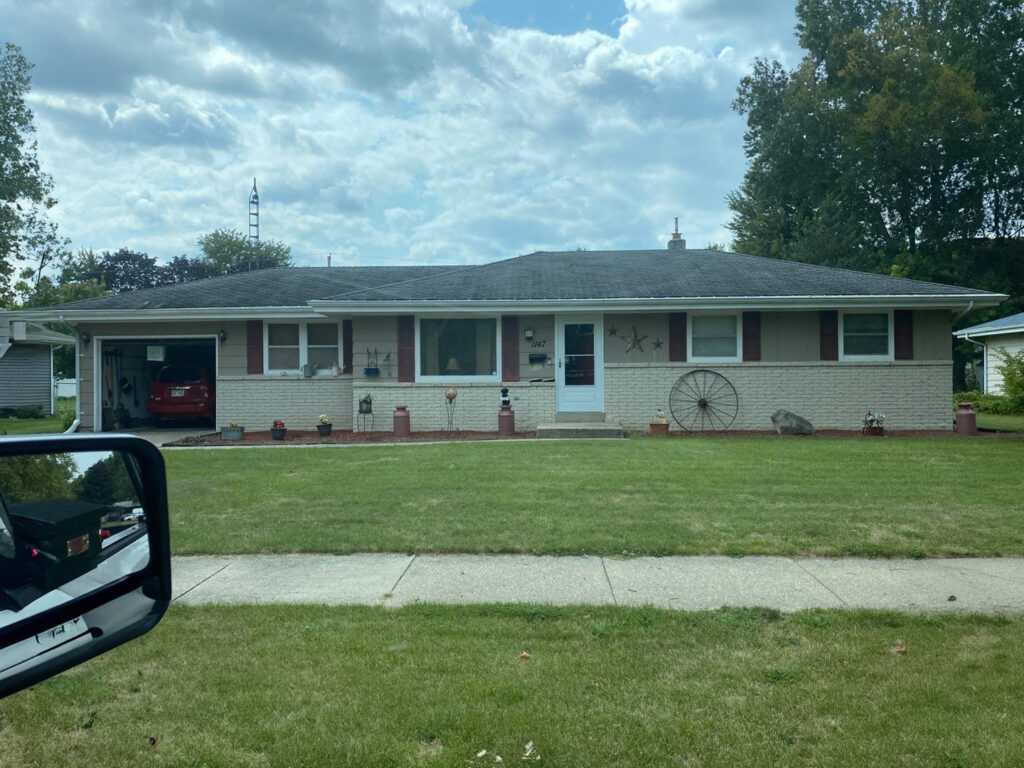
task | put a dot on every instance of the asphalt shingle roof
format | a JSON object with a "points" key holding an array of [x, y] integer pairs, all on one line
{"points": [[1010, 322], [642, 275], [543, 275]]}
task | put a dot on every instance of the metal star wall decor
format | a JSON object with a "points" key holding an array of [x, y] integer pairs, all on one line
{"points": [[613, 331], [658, 343], [637, 342]]}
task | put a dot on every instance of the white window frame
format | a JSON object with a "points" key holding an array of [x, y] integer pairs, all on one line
{"points": [[886, 358], [694, 358], [303, 347], [482, 379]]}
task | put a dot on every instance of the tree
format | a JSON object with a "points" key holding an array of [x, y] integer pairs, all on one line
{"points": [[227, 251], [26, 233], [894, 145], [121, 271]]}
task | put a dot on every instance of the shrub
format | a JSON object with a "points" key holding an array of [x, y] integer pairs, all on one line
{"points": [[1012, 368], [30, 412], [997, 404]]}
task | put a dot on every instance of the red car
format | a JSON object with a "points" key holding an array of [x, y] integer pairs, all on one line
{"points": [[181, 392]]}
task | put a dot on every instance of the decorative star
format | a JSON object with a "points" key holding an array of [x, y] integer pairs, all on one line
{"points": [[613, 331], [658, 343], [637, 342]]}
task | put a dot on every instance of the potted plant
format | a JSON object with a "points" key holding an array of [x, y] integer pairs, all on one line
{"points": [[324, 427], [874, 424], [232, 432], [660, 424], [278, 431]]}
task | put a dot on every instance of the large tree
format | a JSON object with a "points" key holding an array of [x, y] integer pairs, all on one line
{"points": [[26, 233], [228, 251], [895, 145]]}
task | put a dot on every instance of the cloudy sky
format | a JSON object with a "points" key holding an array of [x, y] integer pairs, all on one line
{"points": [[427, 131]]}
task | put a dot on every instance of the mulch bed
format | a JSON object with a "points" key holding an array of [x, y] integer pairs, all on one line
{"points": [[341, 437]]}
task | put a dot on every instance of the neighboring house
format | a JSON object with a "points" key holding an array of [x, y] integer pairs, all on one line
{"points": [[573, 335], [1003, 335], [26, 365]]}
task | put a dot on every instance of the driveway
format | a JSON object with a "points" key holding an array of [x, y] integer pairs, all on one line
{"points": [[160, 437]]}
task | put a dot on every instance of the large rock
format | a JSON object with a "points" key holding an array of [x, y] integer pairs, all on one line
{"points": [[788, 423]]}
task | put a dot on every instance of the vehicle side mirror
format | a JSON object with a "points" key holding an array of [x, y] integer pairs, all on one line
{"points": [[85, 561]]}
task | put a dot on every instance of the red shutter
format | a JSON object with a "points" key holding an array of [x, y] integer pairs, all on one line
{"points": [[509, 348], [346, 346], [829, 335], [406, 348], [751, 336], [254, 347], [677, 337], [903, 341]]}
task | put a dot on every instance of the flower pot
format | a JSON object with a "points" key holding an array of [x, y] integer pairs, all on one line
{"points": [[278, 433], [874, 431], [232, 434], [324, 429], [371, 372], [657, 428]]}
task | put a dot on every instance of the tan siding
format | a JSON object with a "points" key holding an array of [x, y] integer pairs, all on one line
{"points": [[543, 342], [933, 334], [378, 333], [652, 326], [790, 337]]}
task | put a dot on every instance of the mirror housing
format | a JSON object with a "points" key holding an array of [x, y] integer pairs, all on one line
{"points": [[71, 598]]}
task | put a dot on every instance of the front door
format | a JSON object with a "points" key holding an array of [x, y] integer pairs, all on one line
{"points": [[579, 363]]}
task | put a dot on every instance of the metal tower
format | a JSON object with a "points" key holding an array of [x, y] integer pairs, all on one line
{"points": [[254, 213]]}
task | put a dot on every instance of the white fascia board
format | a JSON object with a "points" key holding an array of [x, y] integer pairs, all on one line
{"points": [[968, 333], [158, 315], [660, 304]]}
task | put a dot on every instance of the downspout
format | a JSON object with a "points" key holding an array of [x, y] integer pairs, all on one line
{"points": [[984, 350], [78, 388]]}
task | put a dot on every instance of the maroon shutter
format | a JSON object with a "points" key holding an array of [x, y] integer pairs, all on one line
{"points": [[406, 348], [677, 337], [254, 347], [751, 336], [509, 348], [829, 334], [903, 320], [346, 346]]}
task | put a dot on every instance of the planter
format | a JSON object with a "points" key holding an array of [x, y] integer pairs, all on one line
{"points": [[232, 434], [278, 433], [324, 429], [657, 428], [873, 431], [372, 372]]}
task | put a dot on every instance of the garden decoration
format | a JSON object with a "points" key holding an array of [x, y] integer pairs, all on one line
{"points": [[703, 400], [635, 342], [324, 426], [365, 423], [278, 431], [660, 424], [506, 416], [449, 405], [372, 370], [874, 424], [232, 432]]}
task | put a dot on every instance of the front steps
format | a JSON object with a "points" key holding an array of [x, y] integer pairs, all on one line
{"points": [[580, 425]]}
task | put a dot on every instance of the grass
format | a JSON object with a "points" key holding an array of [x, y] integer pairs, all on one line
{"points": [[873, 497], [433, 686], [1001, 423], [11, 426]]}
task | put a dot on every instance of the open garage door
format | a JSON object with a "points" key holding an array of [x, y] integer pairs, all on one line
{"points": [[155, 383]]}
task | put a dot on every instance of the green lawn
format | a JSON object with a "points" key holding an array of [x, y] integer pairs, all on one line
{"points": [[10, 425], [876, 497], [1001, 423], [432, 686]]}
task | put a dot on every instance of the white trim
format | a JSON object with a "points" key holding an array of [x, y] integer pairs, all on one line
{"points": [[889, 357], [97, 362], [53, 386], [737, 358], [483, 378], [967, 333], [303, 346]]}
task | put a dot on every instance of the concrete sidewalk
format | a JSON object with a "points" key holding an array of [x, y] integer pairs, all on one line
{"points": [[992, 585]]}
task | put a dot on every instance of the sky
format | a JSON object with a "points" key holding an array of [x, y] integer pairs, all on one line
{"points": [[393, 131]]}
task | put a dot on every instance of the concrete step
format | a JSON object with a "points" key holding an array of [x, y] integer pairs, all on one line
{"points": [[580, 429], [579, 417]]}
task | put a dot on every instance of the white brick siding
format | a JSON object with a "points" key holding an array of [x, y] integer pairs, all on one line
{"points": [[912, 395], [476, 404], [255, 401]]}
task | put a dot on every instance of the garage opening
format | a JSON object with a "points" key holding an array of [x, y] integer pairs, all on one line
{"points": [[156, 383]]}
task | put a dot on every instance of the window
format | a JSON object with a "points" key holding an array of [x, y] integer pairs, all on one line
{"points": [[290, 346], [866, 336], [458, 347], [283, 347], [714, 338]]}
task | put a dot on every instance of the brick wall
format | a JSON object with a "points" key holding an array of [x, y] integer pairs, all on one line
{"points": [[476, 404], [912, 395], [254, 402]]}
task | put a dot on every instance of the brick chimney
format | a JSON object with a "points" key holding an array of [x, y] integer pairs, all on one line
{"points": [[677, 243]]}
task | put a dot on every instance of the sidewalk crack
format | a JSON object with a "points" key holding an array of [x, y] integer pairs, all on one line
{"points": [[608, 580], [405, 570], [827, 588], [195, 586]]}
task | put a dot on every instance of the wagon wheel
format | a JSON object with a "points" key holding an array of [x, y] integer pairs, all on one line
{"points": [[703, 400]]}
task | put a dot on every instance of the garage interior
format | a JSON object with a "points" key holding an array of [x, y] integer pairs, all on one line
{"points": [[129, 369]]}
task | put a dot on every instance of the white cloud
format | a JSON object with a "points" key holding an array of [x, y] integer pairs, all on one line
{"points": [[392, 132]]}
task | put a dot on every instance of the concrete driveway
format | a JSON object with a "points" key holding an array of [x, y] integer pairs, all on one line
{"points": [[159, 437]]}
